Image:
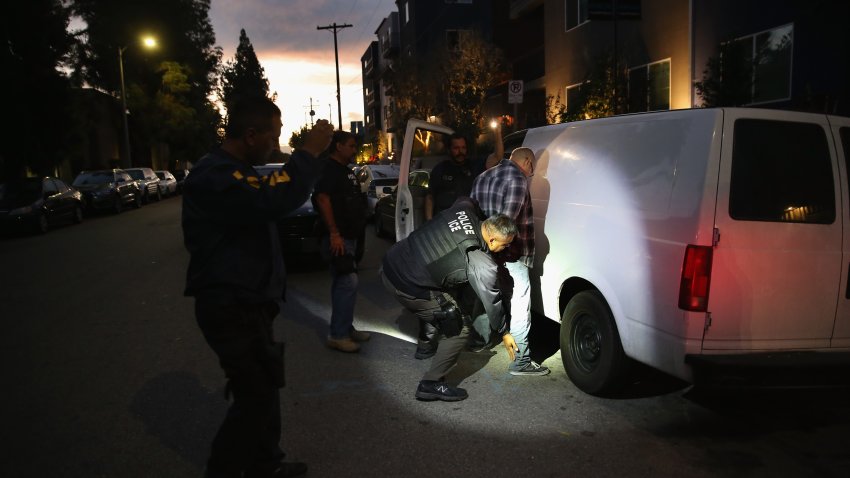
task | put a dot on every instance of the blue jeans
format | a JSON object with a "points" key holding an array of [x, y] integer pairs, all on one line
{"points": [[520, 312], [343, 293]]}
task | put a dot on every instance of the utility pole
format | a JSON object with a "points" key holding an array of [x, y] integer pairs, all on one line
{"points": [[335, 29]]}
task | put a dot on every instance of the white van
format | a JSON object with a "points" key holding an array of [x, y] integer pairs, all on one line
{"points": [[688, 238]]}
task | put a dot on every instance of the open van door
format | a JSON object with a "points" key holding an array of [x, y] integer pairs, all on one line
{"points": [[408, 212], [777, 260]]}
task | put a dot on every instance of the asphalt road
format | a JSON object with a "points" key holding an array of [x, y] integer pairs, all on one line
{"points": [[105, 374]]}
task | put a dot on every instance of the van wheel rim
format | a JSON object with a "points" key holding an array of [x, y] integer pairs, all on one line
{"points": [[586, 344]]}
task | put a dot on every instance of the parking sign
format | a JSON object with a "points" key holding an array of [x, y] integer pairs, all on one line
{"points": [[515, 88]]}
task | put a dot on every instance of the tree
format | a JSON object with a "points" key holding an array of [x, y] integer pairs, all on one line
{"points": [[243, 76], [296, 141], [468, 72], [451, 84], [35, 94], [186, 38], [602, 94], [728, 77]]}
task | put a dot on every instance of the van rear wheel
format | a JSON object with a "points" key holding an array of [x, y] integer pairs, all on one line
{"points": [[590, 345]]}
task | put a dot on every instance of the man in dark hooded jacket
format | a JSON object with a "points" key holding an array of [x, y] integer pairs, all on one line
{"points": [[236, 276]]}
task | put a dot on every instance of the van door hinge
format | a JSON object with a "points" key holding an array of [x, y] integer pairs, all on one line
{"points": [[715, 237], [707, 322]]}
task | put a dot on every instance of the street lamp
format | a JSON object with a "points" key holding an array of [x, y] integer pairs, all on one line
{"points": [[148, 42]]}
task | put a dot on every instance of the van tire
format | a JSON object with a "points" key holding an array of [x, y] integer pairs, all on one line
{"points": [[590, 345]]}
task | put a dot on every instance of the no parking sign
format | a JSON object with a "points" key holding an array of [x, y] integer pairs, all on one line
{"points": [[515, 88]]}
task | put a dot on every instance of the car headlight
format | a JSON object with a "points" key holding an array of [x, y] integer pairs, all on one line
{"points": [[20, 211]]}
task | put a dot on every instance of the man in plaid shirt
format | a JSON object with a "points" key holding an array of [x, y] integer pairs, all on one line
{"points": [[503, 189]]}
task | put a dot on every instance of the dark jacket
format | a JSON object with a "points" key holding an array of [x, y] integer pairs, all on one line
{"points": [[444, 253], [229, 229]]}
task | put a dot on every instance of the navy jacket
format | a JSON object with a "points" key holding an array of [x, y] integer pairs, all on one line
{"points": [[229, 214]]}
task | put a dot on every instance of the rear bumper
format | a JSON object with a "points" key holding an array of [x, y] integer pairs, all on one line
{"points": [[772, 369]]}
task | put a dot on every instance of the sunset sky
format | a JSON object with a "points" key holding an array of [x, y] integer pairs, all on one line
{"points": [[299, 59]]}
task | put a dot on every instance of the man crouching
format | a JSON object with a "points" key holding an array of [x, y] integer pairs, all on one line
{"points": [[438, 271]]}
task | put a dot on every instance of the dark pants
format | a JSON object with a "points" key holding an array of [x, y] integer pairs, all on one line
{"points": [[248, 439], [450, 347]]}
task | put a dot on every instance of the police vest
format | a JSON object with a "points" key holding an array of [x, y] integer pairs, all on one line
{"points": [[444, 241]]}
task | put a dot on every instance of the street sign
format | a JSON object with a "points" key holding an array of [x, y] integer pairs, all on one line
{"points": [[515, 88]]}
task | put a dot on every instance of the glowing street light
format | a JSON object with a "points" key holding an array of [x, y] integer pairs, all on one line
{"points": [[148, 42]]}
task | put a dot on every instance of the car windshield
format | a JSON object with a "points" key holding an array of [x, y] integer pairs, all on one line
{"points": [[95, 177], [23, 191], [388, 172], [136, 174], [160, 175]]}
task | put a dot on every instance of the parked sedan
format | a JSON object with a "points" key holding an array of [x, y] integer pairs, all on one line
{"points": [[167, 183], [298, 229], [148, 183], [373, 177], [180, 176], [108, 189], [39, 203], [385, 207]]}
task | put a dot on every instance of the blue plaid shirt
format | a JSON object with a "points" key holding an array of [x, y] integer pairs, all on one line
{"points": [[503, 189]]}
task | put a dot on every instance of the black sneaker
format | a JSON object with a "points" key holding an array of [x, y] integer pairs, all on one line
{"points": [[425, 352], [531, 368], [432, 390]]}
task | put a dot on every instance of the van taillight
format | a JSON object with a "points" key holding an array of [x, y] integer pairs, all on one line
{"points": [[696, 278]]}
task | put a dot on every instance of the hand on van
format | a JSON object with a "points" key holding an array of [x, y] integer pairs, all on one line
{"points": [[510, 345]]}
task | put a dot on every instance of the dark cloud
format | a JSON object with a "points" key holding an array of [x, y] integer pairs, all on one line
{"points": [[289, 26]]}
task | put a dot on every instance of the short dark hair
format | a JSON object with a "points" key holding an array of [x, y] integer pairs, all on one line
{"points": [[453, 137], [501, 226], [340, 137], [257, 112]]}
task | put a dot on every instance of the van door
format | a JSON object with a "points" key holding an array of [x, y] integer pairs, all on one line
{"points": [[778, 260], [418, 136], [841, 135]]}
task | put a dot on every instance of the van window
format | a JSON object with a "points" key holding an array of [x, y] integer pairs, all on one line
{"points": [[781, 172]]}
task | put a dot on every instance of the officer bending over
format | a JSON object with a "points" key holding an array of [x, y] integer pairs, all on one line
{"points": [[438, 271]]}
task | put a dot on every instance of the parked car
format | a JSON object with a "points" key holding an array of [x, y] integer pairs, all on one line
{"points": [[38, 203], [167, 182], [373, 177], [384, 222], [297, 230], [108, 189], [180, 176], [695, 241], [148, 183]]}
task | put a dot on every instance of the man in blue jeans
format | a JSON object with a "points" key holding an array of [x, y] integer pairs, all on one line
{"points": [[503, 189], [342, 207]]}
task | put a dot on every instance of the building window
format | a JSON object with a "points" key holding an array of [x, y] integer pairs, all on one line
{"points": [[781, 172], [769, 52], [575, 13], [456, 38], [575, 100], [649, 87], [406, 12]]}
